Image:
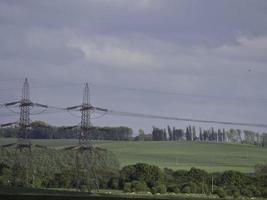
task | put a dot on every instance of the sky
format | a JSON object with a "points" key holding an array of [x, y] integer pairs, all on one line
{"points": [[180, 58]]}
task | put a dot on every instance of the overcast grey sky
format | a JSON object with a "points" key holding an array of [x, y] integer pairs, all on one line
{"points": [[212, 54]]}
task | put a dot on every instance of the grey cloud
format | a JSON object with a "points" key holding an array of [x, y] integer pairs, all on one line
{"points": [[204, 48]]}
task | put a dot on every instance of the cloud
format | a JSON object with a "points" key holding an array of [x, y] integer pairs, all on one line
{"points": [[187, 47], [113, 53]]}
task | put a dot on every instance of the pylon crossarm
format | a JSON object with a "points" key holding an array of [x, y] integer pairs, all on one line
{"points": [[8, 124], [8, 145], [40, 105], [70, 127], [12, 103], [100, 109], [73, 107]]}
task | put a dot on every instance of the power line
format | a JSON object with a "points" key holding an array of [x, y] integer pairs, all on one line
{"points": [[86, 108], [146, 91], [142, 115]]}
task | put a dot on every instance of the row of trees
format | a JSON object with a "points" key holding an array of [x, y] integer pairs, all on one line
{"points": [[41, 130], [219, 135], [143, 177]]}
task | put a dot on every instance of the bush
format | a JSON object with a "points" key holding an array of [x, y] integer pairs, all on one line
{"points": [[236, 194], [159, 188], [127, 187], [173, 188], [261, 168], [186, 189], [113, 183], [84, 188], [264, 192], [149, 174], [220, 192], [139, 186], [193, 187], [231, 189], [246, 192], [255, 191]]}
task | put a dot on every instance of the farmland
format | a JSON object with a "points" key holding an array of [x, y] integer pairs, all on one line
{"points": [[212, 157]]}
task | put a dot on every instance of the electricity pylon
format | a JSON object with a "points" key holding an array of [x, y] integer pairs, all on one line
{"points": [[23, 151], [86, 115], [86, 110], [84, 154], [24, 123]]}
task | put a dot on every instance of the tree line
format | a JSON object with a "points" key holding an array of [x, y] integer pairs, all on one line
{"points": [[41, 130], [218, 135]]}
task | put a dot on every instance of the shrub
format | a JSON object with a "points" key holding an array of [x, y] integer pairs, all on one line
{"points": [[149, 174], [261, 168], [193, 187], [139, 186], [113, 183], [246, 192], [231, 189], [127, 187], [173, 188], [236, 194], [84, 188], [161, 188], [186, 189], [220, 192], [264, 192]]}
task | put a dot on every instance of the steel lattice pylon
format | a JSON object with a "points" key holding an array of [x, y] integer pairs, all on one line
{"points": [[86, 115], [24, 121]]}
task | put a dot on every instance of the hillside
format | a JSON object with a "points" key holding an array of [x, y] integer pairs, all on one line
{"points": [[212, 157]]}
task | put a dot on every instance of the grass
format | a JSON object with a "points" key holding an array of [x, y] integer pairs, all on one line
{"points": [[11, 193], [43, 194], [213, 157]]}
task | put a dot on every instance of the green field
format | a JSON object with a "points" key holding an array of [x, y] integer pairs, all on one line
{"points": [[213, 157]]}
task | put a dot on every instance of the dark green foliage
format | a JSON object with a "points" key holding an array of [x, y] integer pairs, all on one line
{"points": [[127, 187], [57, 168], [159, 188], [173, 188], [264, 193], [186, 189], [231, 190], [143, 177], [149, 174], [233, 178], [41, 130], [139, 186], [236, 194], [230, 183], [98, 168], [197, 175], [113, 183], [220, 192], [261, 168]]}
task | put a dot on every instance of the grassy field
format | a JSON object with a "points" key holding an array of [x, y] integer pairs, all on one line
{"points": [[54, 194], [213, 157]]}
